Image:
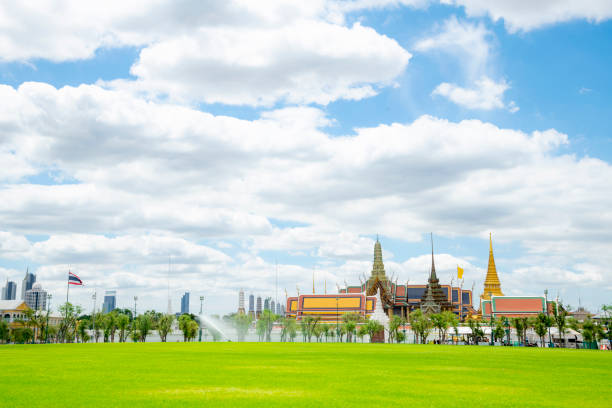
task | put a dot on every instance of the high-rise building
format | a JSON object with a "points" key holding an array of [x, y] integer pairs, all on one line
{"points": [[252, 305], [272, 306], [278, 309], [9, 292], [258, 309], [241, 302], [36, 298], [28, 281], [492, 286], [185, 303], [110, 298], [267, 304]]}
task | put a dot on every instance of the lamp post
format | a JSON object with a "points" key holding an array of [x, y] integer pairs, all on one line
{"points": [[404, 331], [135, 300], [201, 303], [492, 315], [507, 326], [47, 324], [548, 318], [337, 323]]}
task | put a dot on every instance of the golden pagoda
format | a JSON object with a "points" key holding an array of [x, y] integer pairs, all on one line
{"points": [[491, 284]]}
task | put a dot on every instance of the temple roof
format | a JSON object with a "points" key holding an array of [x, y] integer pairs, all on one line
{"points": [[492, 286]]}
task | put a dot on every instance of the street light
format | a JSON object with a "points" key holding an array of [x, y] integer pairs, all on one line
{"points": [[201, 302], [492, 316], [548, 316], [337, 322], [135, 300], [507, 326], [404, 330], [48, 310]]}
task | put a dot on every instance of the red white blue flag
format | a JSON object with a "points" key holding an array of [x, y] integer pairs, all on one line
{"points": [[73, 279]]}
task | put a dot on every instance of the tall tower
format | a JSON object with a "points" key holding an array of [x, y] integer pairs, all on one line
{"points": [[28, 281], [241, 302], [492, 286], [258, 307], [252, 306], [378, 267], [433, 300]]}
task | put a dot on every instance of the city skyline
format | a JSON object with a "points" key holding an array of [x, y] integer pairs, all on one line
{"points": [[256, 155]]}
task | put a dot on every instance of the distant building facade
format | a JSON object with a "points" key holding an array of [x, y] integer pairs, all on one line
{"points": [[241, 302], [252, 305], [185, 303], [258, 307], [9, 291], [36, 298], [110, 299], [28, 282]]}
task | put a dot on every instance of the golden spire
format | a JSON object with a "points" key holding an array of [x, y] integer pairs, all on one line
{"points": [[492, 286]]}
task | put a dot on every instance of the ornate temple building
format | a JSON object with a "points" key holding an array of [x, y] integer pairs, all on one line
{"points": [[494, 303], [396, 299], [492, 286], [434, 300]]}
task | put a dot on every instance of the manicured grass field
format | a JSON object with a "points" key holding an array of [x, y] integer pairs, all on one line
{"points": [[301, 375]]}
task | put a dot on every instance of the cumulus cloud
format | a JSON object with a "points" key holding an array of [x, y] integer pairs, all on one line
{"points": [[229, 52], [486, 95], [185, 176], [526, 15]]}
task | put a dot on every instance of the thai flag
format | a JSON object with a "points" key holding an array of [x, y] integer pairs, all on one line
{"points": [[73, 279]]}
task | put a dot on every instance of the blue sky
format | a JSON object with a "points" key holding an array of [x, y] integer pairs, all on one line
{"points": [[296, 138]]}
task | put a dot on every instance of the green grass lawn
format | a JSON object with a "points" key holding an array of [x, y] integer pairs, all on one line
{"points": [[296, 375]]}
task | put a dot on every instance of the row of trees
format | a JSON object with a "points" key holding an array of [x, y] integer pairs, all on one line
{"points": [[118, 325]]}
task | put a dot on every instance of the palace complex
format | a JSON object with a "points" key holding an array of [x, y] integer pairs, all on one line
{"points": [[432, 297], [396, 299]]}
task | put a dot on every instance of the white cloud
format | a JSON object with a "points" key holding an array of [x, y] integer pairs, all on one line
{"points": [[305, 62], [468, 42], [486, 95], [231, 52], [146, 168], [526, 15]]}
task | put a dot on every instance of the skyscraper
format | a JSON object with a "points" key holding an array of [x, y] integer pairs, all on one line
{"points": [[267, 304], [36, 298], [110, 297], [9, 292], [241, 302], [185, 303], [272, 306], [258, 309], [278, 309], [252, 305], [28, 281]]}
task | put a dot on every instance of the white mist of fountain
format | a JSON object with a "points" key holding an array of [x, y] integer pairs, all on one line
{"points": [[216, 325]]}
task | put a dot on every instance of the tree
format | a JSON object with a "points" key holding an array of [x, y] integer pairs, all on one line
{"points": [[394, 328], [560, 319], [123, 324], [260, 329], [194, 327], [82, 330], [288, 326], [517, 322], [420, 324], [183, 322], [373, 327], [164, 326], [498, 332], [308, 324], [268, 318], [588, 333], [5, 333], [541, 325], [325, 329], [68, 324], [477, 332], [241, 322], [97, 320], [318, 332], [349, 321], [362, 332], [442, 321], [144, 324]]}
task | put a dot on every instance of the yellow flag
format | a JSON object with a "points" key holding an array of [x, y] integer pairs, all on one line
{"points": [[459, 272]]}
